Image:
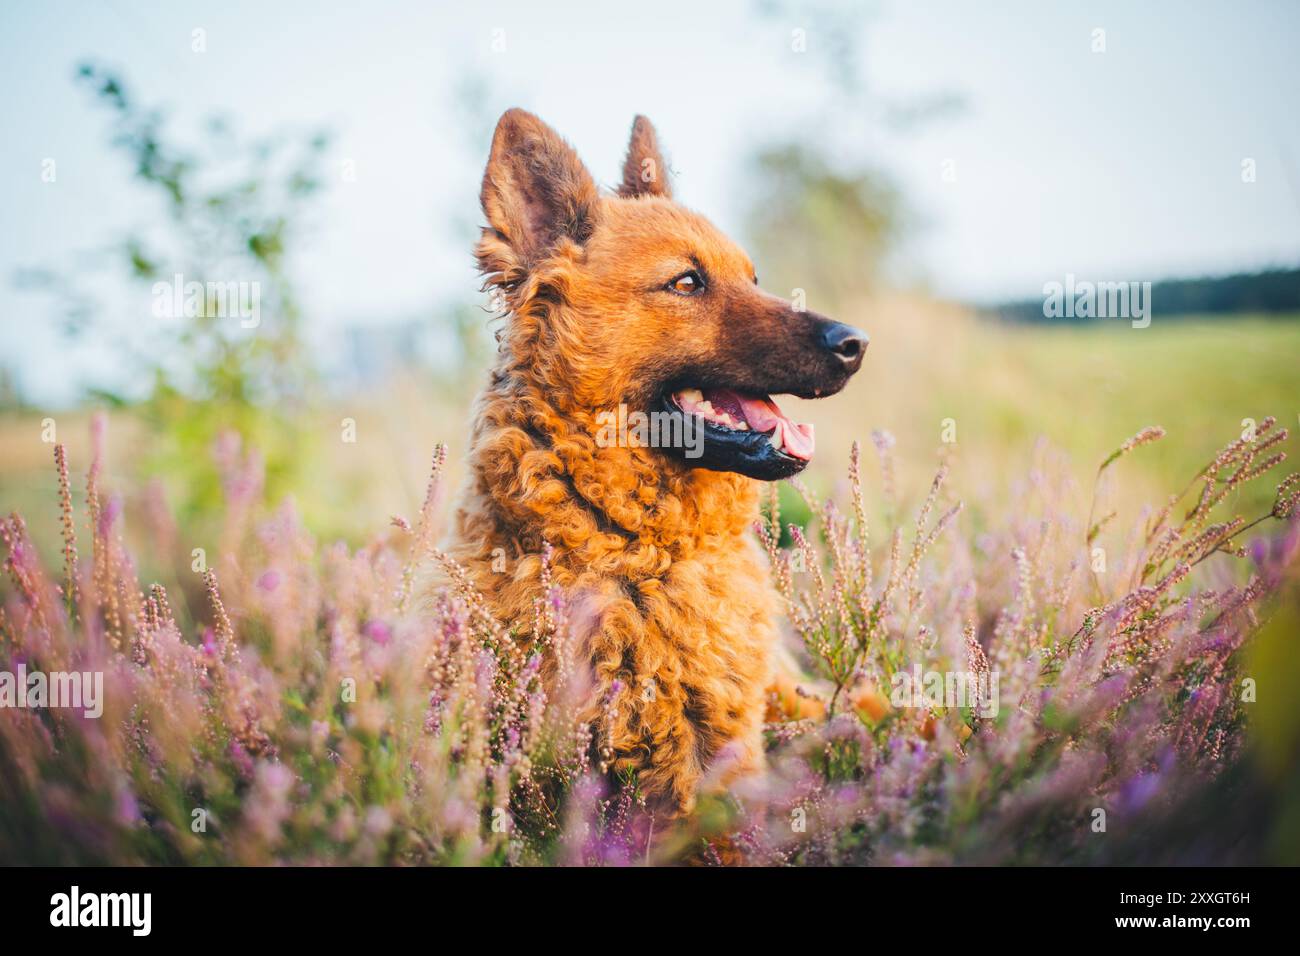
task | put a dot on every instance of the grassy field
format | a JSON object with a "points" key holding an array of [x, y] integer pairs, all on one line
{"points": [[1000, 390], [1083, 390], [1009, 395]]}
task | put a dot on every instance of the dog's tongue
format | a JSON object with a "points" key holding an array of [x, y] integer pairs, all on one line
{"points": [[793, 438]]}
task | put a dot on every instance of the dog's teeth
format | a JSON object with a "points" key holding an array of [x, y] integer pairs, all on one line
{"points": [[705, 407], [776, 440], [742, 426], [693, 395]]}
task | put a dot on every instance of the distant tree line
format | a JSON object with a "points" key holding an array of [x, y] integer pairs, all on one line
{"points": [[1271, 291]]}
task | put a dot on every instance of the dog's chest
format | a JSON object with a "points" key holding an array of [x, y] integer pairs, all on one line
{"points": [[703, 633]]}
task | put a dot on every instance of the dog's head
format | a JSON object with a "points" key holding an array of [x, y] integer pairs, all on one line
{"points": [[629, 299]]}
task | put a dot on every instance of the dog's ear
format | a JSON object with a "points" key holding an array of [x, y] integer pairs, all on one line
{"points": [[645, 173], [535, 192]]}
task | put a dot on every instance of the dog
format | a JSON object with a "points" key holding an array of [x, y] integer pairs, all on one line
{"points": [[622, 307]]}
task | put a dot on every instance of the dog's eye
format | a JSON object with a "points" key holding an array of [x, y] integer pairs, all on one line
{"points": [[688, 283]]}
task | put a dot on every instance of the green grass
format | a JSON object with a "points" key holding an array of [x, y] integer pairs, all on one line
{"points": [[1086, 390]]}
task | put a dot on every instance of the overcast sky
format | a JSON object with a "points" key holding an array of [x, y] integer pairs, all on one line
{"points": [[1111, 165]]}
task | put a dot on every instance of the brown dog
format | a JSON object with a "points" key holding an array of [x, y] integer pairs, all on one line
{"points": [[625, 423]]}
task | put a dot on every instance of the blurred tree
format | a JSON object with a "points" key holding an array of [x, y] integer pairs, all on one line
{"points": [[10, 397], [233, 211], [1270, 292], [814, 228], [819, 217]]}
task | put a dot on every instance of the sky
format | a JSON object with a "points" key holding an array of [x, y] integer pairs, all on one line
{"points": [[1122, 163]]}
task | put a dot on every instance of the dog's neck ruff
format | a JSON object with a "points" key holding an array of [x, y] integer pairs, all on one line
{"points": [[624, 511]]}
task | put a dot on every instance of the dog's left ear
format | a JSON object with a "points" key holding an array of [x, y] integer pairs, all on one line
{"points": [[645, 173]]}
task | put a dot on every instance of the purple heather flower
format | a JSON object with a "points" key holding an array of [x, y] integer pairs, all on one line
{"points": [[1137, 791], [240, 758], [112, 508], [378, 821], [128, 810]]}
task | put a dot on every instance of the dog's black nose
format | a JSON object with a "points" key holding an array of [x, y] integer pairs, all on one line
{"points": [[848, 344]]}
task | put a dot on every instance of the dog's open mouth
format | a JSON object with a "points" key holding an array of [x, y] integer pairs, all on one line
{"points": [[736, 412], [744, 433]]}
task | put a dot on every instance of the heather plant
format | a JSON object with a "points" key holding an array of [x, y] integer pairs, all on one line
{"points": [[312, 711], [316, 704], [1118, 689]]}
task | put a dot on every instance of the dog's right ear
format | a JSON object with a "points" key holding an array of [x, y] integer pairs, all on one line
{"points": [[536, 193], [645, 171]]}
